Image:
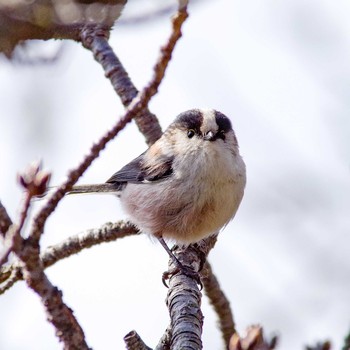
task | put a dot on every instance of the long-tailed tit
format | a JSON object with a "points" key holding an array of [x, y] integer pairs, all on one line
{"points": [[188, 184]]}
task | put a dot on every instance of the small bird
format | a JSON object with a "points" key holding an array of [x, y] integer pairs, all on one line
{"points": [[187, 185]]}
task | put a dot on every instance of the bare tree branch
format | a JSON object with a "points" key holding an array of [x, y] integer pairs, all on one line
{"points": [[134, 342], [106, 233], [220, 303], [27, 250], [96, 40], [183, 301], [5, 220], [73, 245], [9, 275], [58, 313]]}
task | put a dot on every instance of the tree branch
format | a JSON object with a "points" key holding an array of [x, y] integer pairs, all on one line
{"points": [[5, 220], [58, 313], [106, 233], [96, 40], [27, 250], [52, 19], [220, 303], [183, 301]]}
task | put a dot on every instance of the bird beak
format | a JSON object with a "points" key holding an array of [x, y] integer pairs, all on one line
{"points": [[209, 136]]}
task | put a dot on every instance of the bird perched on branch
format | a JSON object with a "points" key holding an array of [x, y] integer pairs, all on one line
{"points": [[187, 185]]}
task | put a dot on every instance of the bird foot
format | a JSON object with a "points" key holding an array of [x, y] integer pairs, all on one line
{"points": [[189, 272]]}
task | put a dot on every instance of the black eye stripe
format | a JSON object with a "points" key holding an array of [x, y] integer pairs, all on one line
{"points": [[223, 122], [190, 120]]}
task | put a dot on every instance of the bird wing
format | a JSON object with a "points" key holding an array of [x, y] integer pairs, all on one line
{"points": [[139, 171]]}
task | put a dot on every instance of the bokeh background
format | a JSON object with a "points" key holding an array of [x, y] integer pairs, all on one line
{"points": [[280, 70]]}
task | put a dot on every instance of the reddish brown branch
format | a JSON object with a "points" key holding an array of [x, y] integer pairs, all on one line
{"points": [[27, 251], [220, 303], [5, 220], [58, 313]]}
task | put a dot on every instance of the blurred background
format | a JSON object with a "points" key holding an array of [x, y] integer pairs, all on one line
{"points": [[280, 70]]}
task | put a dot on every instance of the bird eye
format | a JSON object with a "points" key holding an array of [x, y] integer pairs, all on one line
{"points": [[190, 133]]}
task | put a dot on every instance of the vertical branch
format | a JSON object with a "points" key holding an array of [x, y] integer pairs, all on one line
{"points": [[183, 301]]}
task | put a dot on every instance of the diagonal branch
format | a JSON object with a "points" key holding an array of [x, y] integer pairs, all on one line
{"points": [[5, 220], [67, 328], [96, 40], [134, 342], [219, 301]]}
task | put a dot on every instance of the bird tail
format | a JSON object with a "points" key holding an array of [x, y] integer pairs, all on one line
{"points": [[87, 189], [95, 188]]}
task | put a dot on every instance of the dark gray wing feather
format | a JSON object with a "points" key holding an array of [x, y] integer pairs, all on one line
{"points": [[138, 172]]}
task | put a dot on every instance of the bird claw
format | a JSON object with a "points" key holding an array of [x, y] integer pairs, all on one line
{"points": [[186, 271]]}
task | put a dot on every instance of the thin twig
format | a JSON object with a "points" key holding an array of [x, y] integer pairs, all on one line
{"points": [[220, 303], [73, 245], [5, 220], [13, 238], [96, 40], [67, 328], [35, 182], [9, 277]]}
